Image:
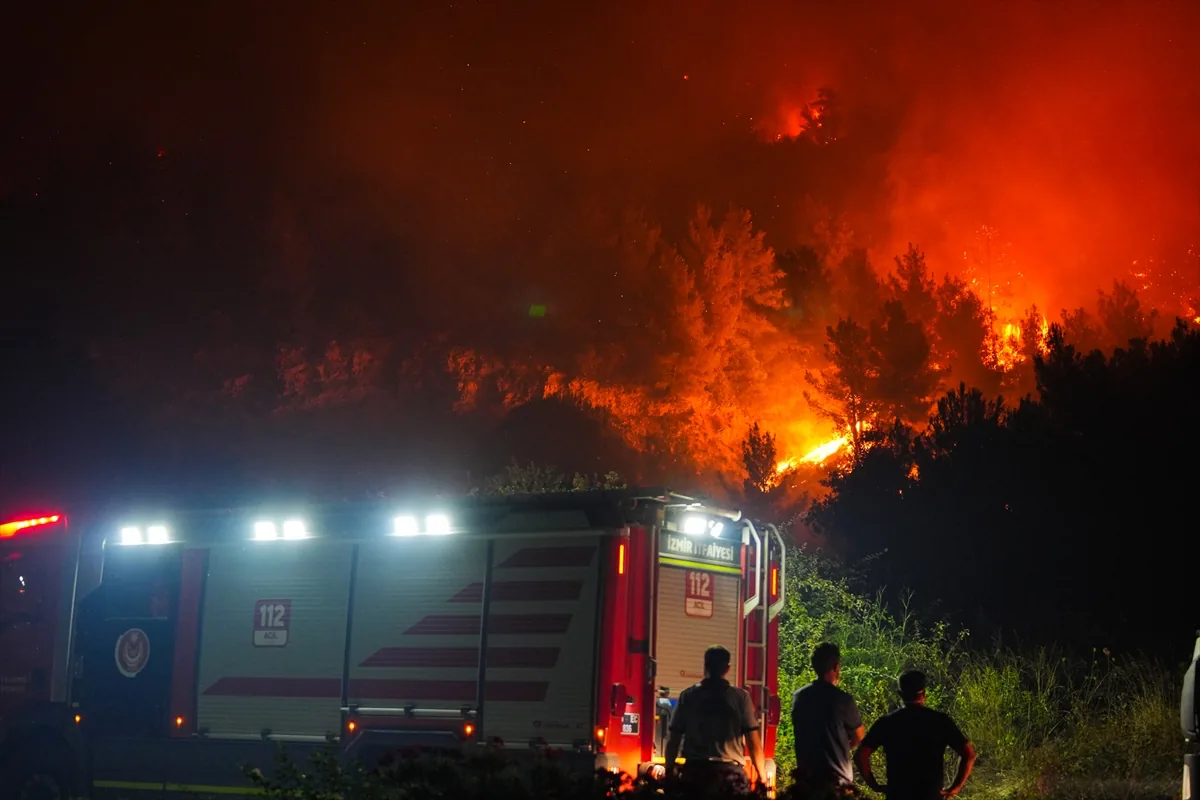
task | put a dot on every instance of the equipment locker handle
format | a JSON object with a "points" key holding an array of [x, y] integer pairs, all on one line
{"points": [[774, 608], [748, 606]]}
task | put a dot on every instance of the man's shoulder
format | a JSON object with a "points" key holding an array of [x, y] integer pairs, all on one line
{"points": [[825, 695], [920, 715], [842, 698], [815, 687], [925, 712], [806, 691]]}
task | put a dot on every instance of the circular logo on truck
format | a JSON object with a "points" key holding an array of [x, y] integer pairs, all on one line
{"points": [[133, 651]]}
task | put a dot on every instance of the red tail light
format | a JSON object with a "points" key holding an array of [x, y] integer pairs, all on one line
{"points": [[13, 528]]}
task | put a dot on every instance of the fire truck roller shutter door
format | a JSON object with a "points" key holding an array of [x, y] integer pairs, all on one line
{"points": [[543, 639], [415, 633], [273, 638], [682, 637]]}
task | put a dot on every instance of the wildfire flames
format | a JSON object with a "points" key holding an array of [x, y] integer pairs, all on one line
{"points": [[1006, 347], [739, 364], [818, 455], [792, 120]]}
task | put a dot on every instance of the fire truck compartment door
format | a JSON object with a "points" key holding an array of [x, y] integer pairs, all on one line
{"points": [[127, 644], [416, 637], [696, 609], [273, 638]]}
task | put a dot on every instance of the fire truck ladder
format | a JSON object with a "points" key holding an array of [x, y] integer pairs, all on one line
{"points": [[754, 669], [760, 609]]}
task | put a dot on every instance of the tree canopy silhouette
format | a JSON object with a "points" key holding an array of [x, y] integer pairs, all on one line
{"points": [[1049, 516]]}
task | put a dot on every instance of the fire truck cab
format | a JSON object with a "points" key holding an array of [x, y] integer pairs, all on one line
{"points": [[193, 642]]}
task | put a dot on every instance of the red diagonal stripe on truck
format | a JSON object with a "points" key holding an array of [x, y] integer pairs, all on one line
{"points": [[566, 556], [456, 691], [449, 657], [466, 624], [521, 591]]}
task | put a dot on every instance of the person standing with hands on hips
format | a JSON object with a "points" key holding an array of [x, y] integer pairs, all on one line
{"points": [[914, 739], [827, 726]]}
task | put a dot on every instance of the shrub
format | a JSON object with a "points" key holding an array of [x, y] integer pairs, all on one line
{"points": [[1044, 724], [487, 774]]}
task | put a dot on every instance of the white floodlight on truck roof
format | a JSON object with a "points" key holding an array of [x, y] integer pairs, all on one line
{"points": [[294, 529], [695, 525], [158, 534], [131, 535], [265, 529], [437, 524], [405, 525]]}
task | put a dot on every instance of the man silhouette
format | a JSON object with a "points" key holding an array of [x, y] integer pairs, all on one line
{"points": [[827, 726], [914, 739], [713, 719]]}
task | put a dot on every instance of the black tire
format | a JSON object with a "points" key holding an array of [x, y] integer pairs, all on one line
{"points": [[31, 776]]}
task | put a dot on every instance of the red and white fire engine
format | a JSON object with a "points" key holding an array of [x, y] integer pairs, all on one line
{"points": [[157, 654]]}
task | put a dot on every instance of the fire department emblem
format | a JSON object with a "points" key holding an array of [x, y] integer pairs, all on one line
{"points": [[132, 652]]}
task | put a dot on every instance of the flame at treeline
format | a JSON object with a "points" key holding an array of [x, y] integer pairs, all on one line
{"points": [[704, 336]]}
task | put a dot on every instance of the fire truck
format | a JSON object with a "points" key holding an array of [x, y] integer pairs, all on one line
{"points": [[153, 655]]}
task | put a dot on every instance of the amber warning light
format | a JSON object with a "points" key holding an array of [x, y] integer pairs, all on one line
{"points": [[12, 528]]}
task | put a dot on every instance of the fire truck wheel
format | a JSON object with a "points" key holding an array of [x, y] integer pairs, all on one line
{"points": [[36, 779]]}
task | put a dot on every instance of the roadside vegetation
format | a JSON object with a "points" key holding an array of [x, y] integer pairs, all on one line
{"points": [[1047, 724]]}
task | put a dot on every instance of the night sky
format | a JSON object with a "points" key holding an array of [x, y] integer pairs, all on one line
{"points": [[431, 168]]}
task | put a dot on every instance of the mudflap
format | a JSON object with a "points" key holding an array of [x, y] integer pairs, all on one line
{"points": [[1191, 776]]}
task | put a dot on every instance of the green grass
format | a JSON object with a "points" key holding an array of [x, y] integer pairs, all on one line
{"points": [[1045, 725]]}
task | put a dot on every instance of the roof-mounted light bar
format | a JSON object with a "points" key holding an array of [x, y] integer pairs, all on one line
{"points": [[293, 529], [153, 534], [435, 525]]}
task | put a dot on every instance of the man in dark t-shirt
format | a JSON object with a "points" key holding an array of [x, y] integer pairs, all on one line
{"points": [[914, 739], [827, 726], [717, 726]]}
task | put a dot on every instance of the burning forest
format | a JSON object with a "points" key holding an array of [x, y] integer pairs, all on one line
{"points": [[724, 225]]}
